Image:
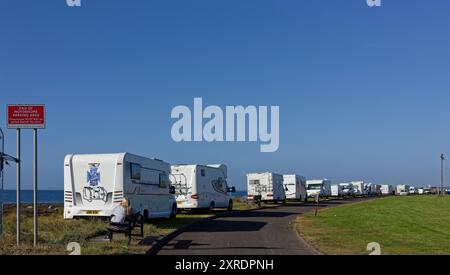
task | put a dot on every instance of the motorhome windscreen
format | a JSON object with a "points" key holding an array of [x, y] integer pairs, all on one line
{"points": [[314, 186]]}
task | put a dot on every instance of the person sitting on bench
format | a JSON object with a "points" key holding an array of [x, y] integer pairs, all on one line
{"points": [[122, 212], [123, 220]]}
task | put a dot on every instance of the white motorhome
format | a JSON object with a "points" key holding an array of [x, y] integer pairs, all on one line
{"points": [[337, 190], [265, 187], [94, 184], [347, 189], [295, 187], [374, 189], [359, 188], [412, 190], [318, 187], [387, 190], [402, 190], [202, 186]]}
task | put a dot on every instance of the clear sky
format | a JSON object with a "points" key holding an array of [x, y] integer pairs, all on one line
{"points": [[364, 93]]}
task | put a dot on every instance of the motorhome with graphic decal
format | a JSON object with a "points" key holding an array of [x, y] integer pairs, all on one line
{"points": [[95, 184], [202, 186]]}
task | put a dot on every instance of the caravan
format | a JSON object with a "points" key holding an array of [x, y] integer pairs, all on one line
{"points": [[95, 184], [321, 188], [295, 187], [265, 187], [202, 186]]}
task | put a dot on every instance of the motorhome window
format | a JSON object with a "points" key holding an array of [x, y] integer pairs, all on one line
{"points": [[314, 186], [203, 172], [163, 180], [135, 171]]}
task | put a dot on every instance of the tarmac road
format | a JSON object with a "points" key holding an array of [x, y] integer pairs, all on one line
{"points": [[260, 232]]}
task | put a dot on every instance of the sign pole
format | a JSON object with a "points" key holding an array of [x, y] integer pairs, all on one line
{"points": [[18, 178], [35, 187]]}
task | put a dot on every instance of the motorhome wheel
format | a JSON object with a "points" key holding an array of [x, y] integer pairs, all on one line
{"points": [[211, 207], [230, 205]]}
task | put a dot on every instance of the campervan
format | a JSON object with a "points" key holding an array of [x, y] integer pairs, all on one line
{"points": [[337, 190], [94, 184], [402, 190], [412, 190], [347, 189], [295, 187], [202, 186], [266, 187], [374, 189], [387, 190], [321, 188], [359, 188]]}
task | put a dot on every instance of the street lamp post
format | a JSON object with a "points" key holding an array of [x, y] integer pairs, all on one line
{"points": [[442, 174]]}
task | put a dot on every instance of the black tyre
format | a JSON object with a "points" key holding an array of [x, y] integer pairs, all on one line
{"points": [[174, 212], [211, 207], [230, 205]]}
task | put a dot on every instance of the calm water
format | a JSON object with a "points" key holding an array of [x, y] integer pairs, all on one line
{"points": [[44, 196], [54, 196]]}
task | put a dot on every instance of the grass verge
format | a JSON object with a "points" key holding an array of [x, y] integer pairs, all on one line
{"points": [[413, 225]]}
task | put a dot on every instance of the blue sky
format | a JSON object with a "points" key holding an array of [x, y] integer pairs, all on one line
{"points": [[363, 92]]}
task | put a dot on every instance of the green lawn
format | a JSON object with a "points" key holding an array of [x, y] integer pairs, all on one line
{"points": [[401, 225]]}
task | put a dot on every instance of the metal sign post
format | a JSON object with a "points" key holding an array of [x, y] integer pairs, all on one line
{"points": [[35, 172], [18, 178], [27, 117]]}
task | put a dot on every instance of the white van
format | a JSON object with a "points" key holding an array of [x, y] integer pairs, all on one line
{"points": [[318, 187], [202, 186], [95, 184], [295, 187], [265, 187]]}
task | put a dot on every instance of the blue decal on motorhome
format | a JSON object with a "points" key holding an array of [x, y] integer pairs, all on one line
{"points": [[93, 175]]}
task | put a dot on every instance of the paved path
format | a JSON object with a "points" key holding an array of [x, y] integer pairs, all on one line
{"points": [[261, 232]]}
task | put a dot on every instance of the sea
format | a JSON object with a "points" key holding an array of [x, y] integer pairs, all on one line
{"points": [[55, 196]]}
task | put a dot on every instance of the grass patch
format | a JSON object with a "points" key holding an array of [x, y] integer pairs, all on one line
{"points": [[413, 225]]}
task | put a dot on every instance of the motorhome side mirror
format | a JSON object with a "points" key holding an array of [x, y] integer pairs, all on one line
{"points": [[172, 190], [232, 189]]}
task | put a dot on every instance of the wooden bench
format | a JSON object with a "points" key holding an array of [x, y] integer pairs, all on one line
{"points": [[136, 221]]}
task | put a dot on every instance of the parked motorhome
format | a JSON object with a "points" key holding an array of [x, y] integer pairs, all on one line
{"points": [[359, 188], [318, 187], [337, 190], [202, 186], [420, 191], [373, 189], [266, 187], [295, 187], [402, 190], [95, 184], [387, 190], [347, 189], [412, 190]]}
